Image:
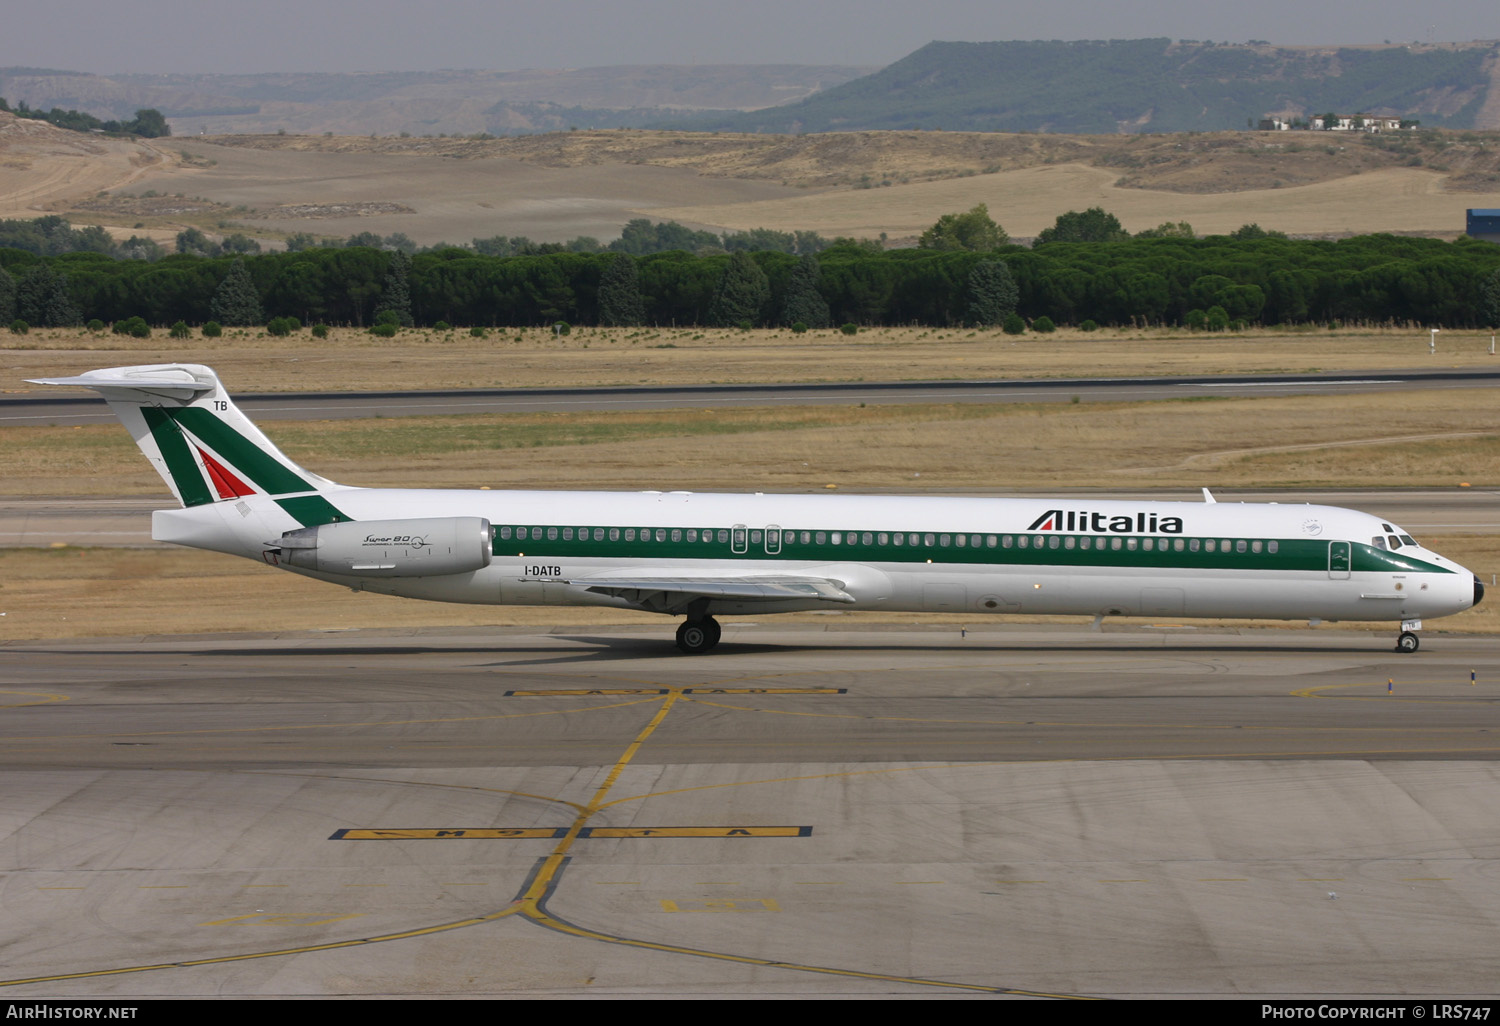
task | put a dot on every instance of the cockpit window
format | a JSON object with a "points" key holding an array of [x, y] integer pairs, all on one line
{"points": [[1397, 537], [1378, 541]]}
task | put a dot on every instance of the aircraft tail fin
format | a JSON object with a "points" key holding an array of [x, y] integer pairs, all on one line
{"points": [[197, 439]]}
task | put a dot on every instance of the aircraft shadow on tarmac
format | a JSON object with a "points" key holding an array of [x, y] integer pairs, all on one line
{"points": [[617, 647]]}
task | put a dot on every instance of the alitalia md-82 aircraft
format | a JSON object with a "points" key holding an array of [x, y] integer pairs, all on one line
{"points": [[697, 555]]}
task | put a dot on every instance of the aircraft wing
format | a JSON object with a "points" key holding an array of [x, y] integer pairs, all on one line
{"points": [[668, 590]]}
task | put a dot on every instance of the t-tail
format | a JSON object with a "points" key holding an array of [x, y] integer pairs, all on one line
{"points": [[197, 439]]}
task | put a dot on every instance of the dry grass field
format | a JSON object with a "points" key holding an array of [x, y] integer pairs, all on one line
{"points": [[555, 187], [1027, 200], [1410, 439], [249, 360]]}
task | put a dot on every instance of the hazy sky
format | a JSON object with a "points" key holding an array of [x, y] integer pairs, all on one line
{"points": [[413, 35]]}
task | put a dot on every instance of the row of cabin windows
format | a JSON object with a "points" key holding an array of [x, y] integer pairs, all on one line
{"points": [[773, 538]]}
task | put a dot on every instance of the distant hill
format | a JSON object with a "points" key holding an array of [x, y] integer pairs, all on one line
{"points": [[425, 103], [1138, 85]]}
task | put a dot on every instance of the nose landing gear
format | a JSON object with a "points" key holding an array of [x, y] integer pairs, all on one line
{"points": [[1408, 640]]}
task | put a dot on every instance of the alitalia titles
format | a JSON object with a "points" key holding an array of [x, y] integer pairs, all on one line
{"points": [[1099, 523]]}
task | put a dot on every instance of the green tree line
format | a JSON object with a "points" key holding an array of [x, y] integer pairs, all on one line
{"points": [[1169, 280]]}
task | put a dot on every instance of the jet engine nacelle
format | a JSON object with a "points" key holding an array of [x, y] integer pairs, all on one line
{"points": [[426, 547]]}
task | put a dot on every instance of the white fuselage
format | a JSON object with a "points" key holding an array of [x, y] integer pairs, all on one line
{"points": [[898, 553]]}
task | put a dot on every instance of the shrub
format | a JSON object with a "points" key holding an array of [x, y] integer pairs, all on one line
{"points": [[283, 326], [850, 329], [1195, 319], [1013, 325], [478, 332], [179, 330], [562, 328], [212, 330], [442, 326], [1043, 324], [19, 327], [799, 327], [385, 330], [320, 331], [95, 325], [1089, 325], [1217, 319], [388, 317], [135, 327]]}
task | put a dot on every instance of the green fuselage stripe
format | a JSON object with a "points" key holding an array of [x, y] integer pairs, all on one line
{"points": [[191, 486], [1293, 554]]}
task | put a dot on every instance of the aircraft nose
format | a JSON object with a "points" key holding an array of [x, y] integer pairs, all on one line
{"points": [[1478, 590]]}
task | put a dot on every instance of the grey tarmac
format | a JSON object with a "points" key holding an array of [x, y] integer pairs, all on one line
{"points": [[1015, 809]]}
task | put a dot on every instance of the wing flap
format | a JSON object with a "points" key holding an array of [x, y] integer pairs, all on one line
{"points": [[753, 588]]}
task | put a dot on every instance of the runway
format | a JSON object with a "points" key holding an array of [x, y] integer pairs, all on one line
{"points": [[58, 408], [851, 811]]}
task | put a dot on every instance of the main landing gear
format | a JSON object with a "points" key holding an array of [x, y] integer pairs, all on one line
{"points": [[695, 636], [1407, 642]]}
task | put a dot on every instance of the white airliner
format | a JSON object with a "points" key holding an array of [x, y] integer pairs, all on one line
{"points": [[695, 555]]}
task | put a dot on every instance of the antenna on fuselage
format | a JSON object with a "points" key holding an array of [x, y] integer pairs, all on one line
{"points": [[1208, 496]]}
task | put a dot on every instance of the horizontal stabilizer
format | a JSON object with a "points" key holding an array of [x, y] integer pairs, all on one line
{"points": [[151, 379]]}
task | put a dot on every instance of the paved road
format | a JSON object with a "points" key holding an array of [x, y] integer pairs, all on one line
{"points": [[82, 408], [859, 812]]}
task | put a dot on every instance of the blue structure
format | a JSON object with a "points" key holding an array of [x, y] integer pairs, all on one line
{"points": [[1484, 224]]}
